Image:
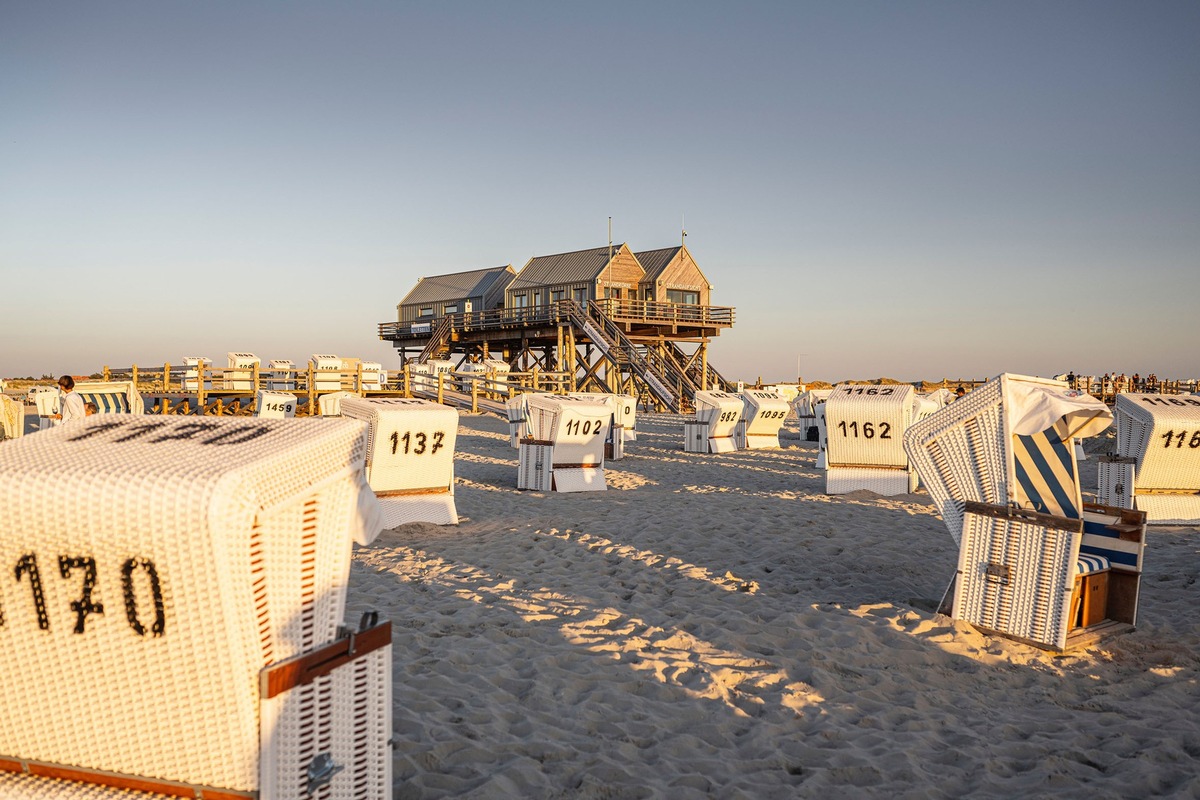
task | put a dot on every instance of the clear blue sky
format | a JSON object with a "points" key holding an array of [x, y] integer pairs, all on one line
{"points": [[910, 190]]}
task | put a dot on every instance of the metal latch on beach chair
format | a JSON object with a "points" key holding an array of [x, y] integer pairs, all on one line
{"points": [[997, 573]]}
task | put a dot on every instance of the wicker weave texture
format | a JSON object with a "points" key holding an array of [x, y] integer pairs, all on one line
{"points": [[580, 429], [1163, 434], [213, 546], [346, 715], [1016, 577], [1115, 479], [274, 405], [843, 480], [534, 468], [720, 411], [764, 413], [1169, 509], [410, 442], [959, 453], [866, 425], [695, 437], [14, 786], [579, 479]]}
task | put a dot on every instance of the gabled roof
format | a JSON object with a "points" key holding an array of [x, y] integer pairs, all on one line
{"points": [[655, 261], [580, 266], [458, 285]]}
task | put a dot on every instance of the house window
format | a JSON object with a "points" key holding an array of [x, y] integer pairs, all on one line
{"points": [[558, 295], [519, 300], [537, 298], [426, 311], [579, 295], [450, 308], [685, 298]]}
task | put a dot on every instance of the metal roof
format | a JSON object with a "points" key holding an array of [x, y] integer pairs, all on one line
{"points": [[581, 266], [656, 261], [458, 285]]}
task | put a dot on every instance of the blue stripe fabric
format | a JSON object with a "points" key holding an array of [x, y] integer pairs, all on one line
{"points": [[107, 402], [1045, 473], [1088, 564]]}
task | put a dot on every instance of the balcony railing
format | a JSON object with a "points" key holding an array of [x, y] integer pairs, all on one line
{"points": [[643, 311]]}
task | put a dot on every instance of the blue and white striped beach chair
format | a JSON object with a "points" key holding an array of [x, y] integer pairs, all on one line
{"points": [[1035, 562]]}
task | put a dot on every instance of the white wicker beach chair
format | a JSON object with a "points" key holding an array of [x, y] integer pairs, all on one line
{"points": [[372, 376], [865, 426], [410, 457], [326, 372], [112, 397], [239, 375], [282, 377], [717, 416], [330, 405], [173, 622], [45, 400], [1035, 562], [763, 414], [805, 406], [491, 374], [516, 411], [1157, 462], [191, 375], [566, 451], [274, 405], [626, 416]]}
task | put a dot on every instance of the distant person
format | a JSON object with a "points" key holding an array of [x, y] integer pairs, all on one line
{"points": [[70, 404], [959, 392], [90, 408]]}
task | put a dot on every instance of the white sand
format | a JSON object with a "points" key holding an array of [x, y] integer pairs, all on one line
{"points": [[717, 626]]}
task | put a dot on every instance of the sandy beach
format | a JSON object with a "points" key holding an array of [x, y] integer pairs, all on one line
{"points": [[718, 626]]}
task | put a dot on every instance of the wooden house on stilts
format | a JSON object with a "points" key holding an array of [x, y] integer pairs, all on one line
{"points": [[616, 320]]}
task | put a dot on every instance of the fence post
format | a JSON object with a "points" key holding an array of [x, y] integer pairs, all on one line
{"points": [[312, 391], [474, 396]]}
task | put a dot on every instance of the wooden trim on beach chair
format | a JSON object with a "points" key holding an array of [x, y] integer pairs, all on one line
{"points": [[307, 667], [120, 781]]}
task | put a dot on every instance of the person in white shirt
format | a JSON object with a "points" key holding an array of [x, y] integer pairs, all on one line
{"points": [[70, 404]]}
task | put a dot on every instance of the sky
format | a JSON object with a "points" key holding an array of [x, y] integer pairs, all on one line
{"points": [[910, 190]]}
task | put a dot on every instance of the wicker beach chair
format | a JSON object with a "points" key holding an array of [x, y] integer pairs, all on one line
{"points": [[194, 365], [1035, 562], [282, 377], [274, 405], [174, 620], [239, 374], [565, 451], [409, 457], [763, 414], [1156, 468], [717, 417], [326, 372], [516, 411], [865, 427]]}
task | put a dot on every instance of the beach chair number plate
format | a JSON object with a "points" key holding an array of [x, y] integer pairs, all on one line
{"points": [[417, 443], [997, 573], [1191, 437], [83, 569], [869, 430]]}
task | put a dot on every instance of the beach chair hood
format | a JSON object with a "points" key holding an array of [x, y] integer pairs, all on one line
{"points": [[1034, 408]]}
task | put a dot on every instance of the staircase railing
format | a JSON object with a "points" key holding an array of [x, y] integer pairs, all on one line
{"points": [[437, 338], [616, 345]]}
